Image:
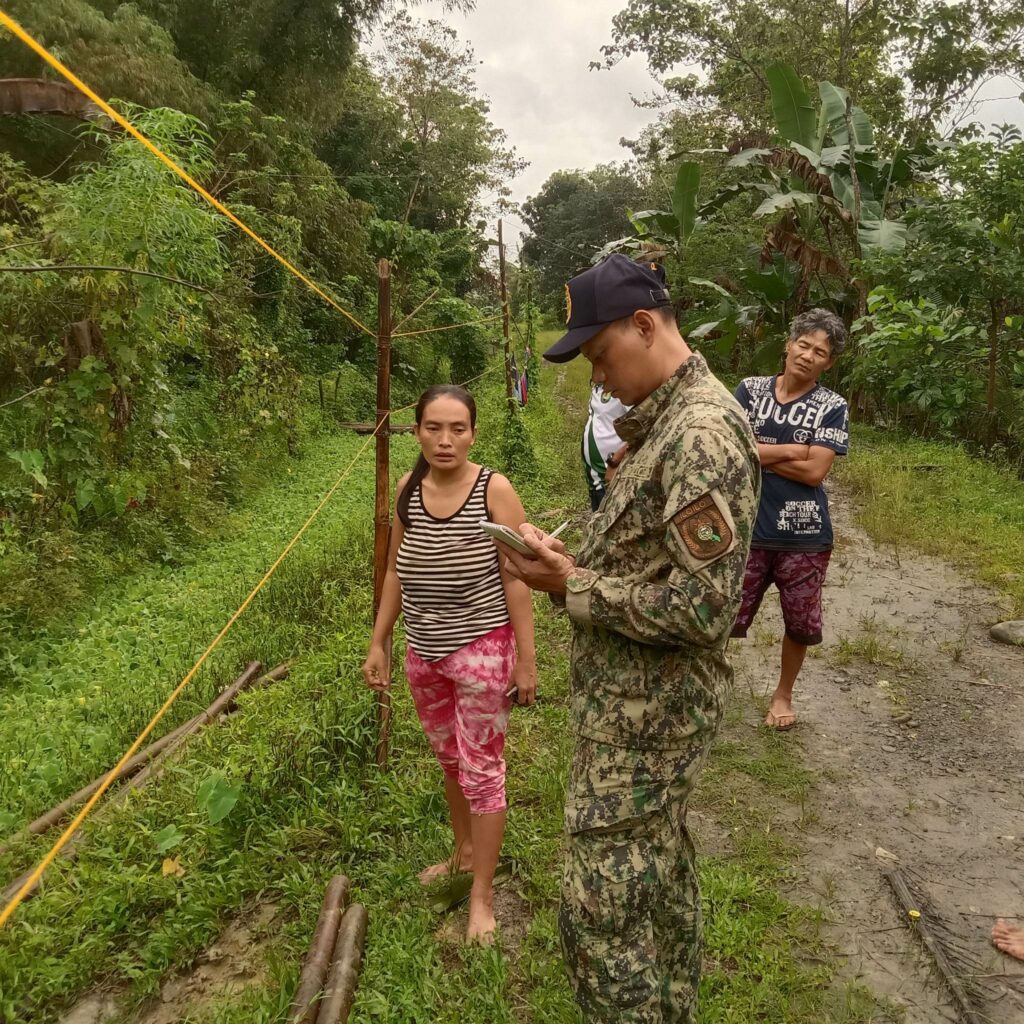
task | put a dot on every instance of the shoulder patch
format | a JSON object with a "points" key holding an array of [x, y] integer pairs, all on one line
{"points": [[704, 529]]}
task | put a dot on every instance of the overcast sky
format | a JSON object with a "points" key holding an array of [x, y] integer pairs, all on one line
{"points": [[533, 57], [533, 66]]}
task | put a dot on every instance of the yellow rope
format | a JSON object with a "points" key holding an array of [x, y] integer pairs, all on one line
{"points": [[73, 827], [47, 860], [450, 327], [42, 52]]}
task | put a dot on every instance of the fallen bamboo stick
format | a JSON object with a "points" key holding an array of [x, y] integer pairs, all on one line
{"points": [[910, 907], [226, 700], [46, 821], [340, 991], [247, 679], [321, 948], [50, 818]]}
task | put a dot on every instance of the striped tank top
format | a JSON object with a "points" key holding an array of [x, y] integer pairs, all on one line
{"points": [[451, 586]]}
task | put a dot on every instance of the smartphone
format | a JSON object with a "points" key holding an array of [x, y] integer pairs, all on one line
{"points": [[507, 536], [511, 537]]}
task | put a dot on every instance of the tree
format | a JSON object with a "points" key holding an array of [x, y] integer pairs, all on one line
{"points": [[571, 218], [965, 261], [453, 154], [915, 64], [734, 41]]}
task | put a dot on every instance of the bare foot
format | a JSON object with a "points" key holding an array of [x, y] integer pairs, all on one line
{"points": [[781, 716], [1009, 938], [447, 867], [480, 929]]}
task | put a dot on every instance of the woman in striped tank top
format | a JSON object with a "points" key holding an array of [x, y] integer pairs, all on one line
{"points": [[469, 630]]}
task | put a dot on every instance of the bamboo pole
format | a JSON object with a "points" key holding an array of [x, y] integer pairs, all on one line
{"points": [[247, 679], [321, 950], [340, 991], [46, 821], [221, 704], [382, 494], [504, 313]]}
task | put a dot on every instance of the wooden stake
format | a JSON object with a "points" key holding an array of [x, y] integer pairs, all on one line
{"points": [[340, 991], [504, 314], [382, 502], [321, 949]]}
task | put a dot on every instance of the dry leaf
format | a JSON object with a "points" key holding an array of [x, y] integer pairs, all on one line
{"points": [[172, 866]]}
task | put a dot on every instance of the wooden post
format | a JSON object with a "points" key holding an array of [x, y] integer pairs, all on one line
{"points": [[382, 503], [530, 334], [504, 315]]}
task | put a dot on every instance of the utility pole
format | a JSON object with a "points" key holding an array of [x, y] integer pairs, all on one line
{"points": [[504, 314]]}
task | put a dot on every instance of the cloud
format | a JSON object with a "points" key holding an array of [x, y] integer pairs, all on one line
{"points": [[533, 68]]}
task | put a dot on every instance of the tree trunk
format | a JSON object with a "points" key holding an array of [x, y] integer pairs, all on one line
{"points": [[993, 354]]}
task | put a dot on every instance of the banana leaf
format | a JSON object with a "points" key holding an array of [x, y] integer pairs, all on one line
{"points": [[794, 112], [684, 198]]}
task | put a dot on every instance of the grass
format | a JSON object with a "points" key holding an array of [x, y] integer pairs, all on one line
{"points": [[937, 499], [312, 803]]}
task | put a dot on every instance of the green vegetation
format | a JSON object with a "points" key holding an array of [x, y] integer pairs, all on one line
{"points": [[939, 499], [310, 800], [172, 405], [157, 366]]}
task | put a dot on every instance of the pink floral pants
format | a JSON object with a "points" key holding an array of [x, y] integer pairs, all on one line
{"points": [[462, 704]]}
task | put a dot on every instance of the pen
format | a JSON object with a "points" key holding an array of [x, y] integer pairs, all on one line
{"points": [[559, 530]]}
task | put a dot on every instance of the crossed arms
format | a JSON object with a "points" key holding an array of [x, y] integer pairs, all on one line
{"points": [[804, 463]]}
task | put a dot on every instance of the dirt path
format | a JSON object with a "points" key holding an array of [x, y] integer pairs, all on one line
{"points": [[913, 721]]}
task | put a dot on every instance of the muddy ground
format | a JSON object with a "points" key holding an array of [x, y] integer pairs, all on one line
{"points": [[918, 755]]}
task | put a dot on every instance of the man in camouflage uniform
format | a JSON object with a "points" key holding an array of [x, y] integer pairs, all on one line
{"points": [[652, 595]]}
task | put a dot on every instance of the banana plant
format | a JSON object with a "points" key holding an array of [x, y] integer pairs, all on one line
{"points": [[660, 232], [768, 295], [826, 174]]}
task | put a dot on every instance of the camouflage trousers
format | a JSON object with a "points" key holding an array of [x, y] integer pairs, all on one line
{"points": [[630, 918]]}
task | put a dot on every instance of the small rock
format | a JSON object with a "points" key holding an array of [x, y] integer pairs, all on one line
{"points": [[1009, 632], [902, 719], [845, 687], [884, 684], [888, 748], [913, 724]]}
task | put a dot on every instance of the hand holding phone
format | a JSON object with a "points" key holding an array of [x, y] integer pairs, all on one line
{"points": [[514, 539]]}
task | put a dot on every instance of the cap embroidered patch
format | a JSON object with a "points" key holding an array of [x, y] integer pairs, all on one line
{"points": [[703, 529]]}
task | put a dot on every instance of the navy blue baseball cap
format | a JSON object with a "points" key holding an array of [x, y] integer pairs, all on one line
{"points": [[612, 290]]}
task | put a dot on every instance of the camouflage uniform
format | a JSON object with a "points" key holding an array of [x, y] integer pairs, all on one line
{"points": [[656, 589]]}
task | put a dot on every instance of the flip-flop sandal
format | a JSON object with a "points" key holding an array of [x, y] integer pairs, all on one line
{"points": [[775, 719]]}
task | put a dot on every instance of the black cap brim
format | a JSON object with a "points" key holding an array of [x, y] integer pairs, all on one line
{"points": [[568, 346]]}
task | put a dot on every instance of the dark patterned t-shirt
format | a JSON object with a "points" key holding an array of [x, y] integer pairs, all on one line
{"points": [[793, 516]]}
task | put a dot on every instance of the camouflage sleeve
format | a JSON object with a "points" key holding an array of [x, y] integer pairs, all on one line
{"points": [[711, 485]]}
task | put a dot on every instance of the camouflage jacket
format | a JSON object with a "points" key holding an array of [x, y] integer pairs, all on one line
{"points": [[660, 568]]}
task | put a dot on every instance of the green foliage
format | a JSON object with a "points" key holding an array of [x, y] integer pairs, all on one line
{"points": [[573, 216], [517, 458], [925, 362], [132, 409], [964, 263]]}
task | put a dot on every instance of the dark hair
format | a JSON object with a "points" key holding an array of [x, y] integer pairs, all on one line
{"points": [[820, 320], [422, 467]]}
